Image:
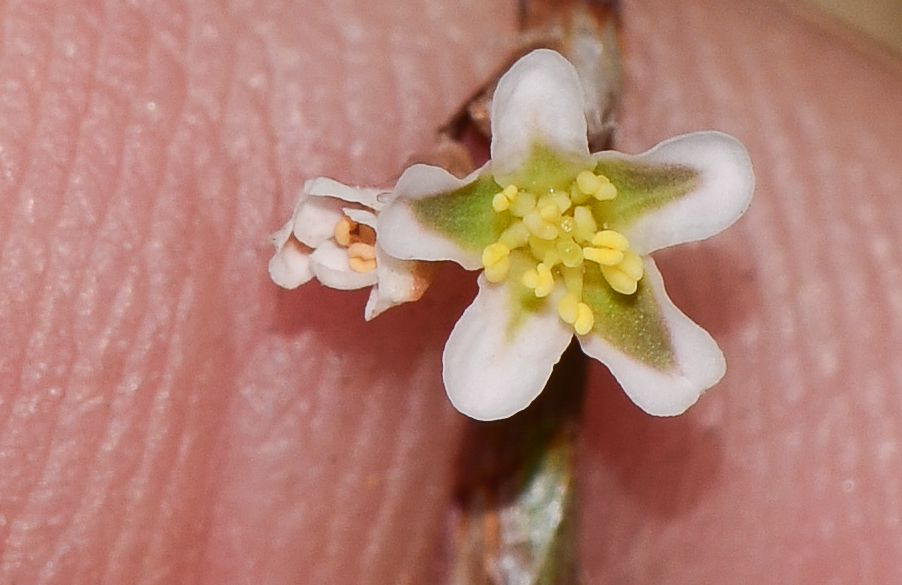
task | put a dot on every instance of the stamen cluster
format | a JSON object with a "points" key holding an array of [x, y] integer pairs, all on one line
{"points": [[558, 231], [359, 240]]}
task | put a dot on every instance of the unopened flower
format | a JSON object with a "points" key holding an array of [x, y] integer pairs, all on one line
{"points": [[332, 237], [563, 237]]}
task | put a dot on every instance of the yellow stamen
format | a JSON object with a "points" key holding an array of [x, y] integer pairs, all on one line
{"points": [[585, 223], [550, 212], [361, 257], [611, 239], [496, 260], [632, 265], [558, 230], [539, 279], [539, 226], [516, 235], [585, 319], [604, 256], [568, 308], [348, 232], [588, 182], [619, 280], [343, 229], [605, 192], [502, 200], [523, 204]]}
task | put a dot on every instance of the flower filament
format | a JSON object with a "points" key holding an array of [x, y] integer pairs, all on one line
{"points": [[360, 242], [559, 232]]}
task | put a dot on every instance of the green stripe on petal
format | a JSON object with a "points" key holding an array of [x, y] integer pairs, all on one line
{"points": [[642, 187], [634, 324], [465, 215]]}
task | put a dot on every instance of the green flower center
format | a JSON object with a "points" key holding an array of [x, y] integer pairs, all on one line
{"points": [[558, 232]]}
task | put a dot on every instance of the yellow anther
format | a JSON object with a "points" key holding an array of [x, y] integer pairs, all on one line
{"points": [[343, 229], [516, 235], [496, 260], [611, 239], [493, 253], [598, 186], [632, 265], [559, 198], [550, 212], [361, 257], [498, 271], [605, 192], [556, 231], [348, 232], [588, 182], [522, 204], [619, 280], [539, 226], [604, 256], [568, 308], [500, 202], [585, 223], [585, 319], [539, 279]]}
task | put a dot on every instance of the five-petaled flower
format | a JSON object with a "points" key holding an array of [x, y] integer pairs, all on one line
{"points": [[563, 237], [331, 236]]}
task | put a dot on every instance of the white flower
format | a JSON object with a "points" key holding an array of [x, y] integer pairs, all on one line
{"points": [[563, 238], [331, 236]]}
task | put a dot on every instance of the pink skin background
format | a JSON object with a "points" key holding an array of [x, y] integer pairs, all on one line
{"points": [[167, 415]]}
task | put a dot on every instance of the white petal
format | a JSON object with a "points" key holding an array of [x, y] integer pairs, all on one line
{"points": [[290, 265], [326, 187], [362, 216], [400, 232], [539, 100], [723, 194], [330, 264], [315, 219], [492, 371], [279, 238], [699, 362], [399, 281]]}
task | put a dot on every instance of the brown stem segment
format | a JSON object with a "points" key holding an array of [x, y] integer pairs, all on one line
{"points": [[514, 518]]}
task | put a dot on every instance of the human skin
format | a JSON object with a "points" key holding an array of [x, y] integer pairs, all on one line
{"points": [[168, 415]]}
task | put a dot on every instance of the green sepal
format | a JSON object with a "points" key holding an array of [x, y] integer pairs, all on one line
{"points": [[642, 187], [466, 215], [634, 323]]}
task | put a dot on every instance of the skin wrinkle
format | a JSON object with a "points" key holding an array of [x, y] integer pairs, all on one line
{"points": [[213, 429], [39, 368]]}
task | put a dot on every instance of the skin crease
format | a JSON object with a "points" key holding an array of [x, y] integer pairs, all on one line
{"points": [[167, 415]]}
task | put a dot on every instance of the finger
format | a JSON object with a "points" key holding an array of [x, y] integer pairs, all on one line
{"points": [[167, 415]]}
